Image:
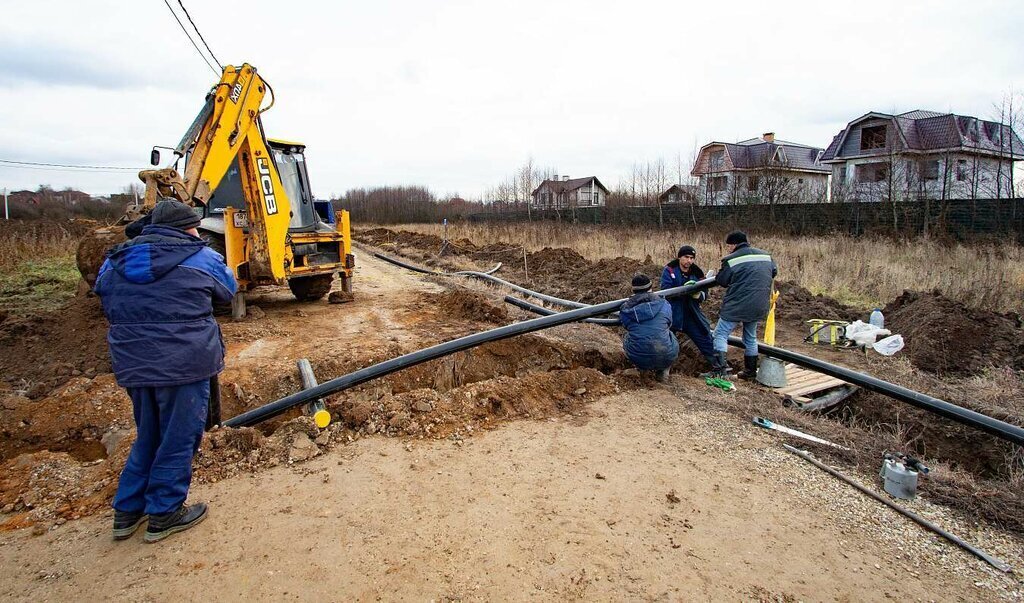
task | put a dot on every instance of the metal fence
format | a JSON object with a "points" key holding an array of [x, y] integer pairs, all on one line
{"points": [[961, 219]]}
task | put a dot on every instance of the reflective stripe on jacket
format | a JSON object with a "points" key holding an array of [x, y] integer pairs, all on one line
{"points": [[747, 273]]}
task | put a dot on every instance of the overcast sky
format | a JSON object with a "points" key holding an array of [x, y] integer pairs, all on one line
{"points": [[455, 95]]}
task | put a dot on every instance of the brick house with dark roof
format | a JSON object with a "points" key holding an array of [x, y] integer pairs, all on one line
{"points": [[922, 155], [567, 193], [760, 170]]}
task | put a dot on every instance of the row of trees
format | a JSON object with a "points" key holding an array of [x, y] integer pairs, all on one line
{"points": [[403, 204], [48, 203]]}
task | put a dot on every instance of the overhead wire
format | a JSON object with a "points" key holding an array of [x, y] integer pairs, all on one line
{"points": [[194, 45], [42, 165], [201, 38]]}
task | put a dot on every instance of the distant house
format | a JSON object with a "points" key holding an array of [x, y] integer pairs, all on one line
{"points": [[760, 170], [922, 155], [681, 193], [569, 192]]}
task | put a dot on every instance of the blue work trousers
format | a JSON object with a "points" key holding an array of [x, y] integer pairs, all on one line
{"points": [[699, 335], [725, 327], [170, 422]]}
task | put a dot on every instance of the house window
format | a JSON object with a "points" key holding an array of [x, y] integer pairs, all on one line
{"points": [[994, 132], [930, 170], [752, 183], [872, 137], [717, 161], [872, 172], [840, 174], [718, 183], [961, 170]]}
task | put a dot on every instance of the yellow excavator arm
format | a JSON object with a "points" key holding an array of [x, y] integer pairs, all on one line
{"points": [[227, 130]]}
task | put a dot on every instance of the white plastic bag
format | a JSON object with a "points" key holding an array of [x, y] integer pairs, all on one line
{"points": [[863, 333], [889, 345]]}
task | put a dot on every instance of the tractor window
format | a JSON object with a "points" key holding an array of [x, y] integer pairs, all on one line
{"points": [[292, 169], [228, 193]]}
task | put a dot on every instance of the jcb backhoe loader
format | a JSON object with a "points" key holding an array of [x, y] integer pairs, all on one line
{"points": [[253, 195]]}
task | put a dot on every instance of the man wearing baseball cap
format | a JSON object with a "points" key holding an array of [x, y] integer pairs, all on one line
{"points": [[157, 291]]}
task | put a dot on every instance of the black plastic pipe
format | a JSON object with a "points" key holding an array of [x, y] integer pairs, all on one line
{"points": [[1000, 429], [387, 367], [488, 277], [532, 307]]}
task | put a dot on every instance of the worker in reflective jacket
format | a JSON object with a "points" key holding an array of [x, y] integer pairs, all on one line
{"points": [[747, 274], [649, 344], [157, 292], [687, 317]]}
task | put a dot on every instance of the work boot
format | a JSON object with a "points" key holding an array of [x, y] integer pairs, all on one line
{"points": [[719, 367], [126, 523], [162, 526], [662, 375], [749, 372]]}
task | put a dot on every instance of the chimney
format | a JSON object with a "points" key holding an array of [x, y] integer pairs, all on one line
{"points": [[769, 137], [565, 178], [555, 177]]}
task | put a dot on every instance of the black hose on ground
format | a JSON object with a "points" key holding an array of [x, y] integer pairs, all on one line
{"points": [[487, 276], [387, 367], [532, 307]]}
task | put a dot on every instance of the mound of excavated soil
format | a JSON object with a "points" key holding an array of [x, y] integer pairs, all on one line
{"points": [[467, 305], [798, 304], [944, 336], [42, 351]]}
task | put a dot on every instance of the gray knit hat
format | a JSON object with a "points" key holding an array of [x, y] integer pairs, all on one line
{"points": [[174, 213]]}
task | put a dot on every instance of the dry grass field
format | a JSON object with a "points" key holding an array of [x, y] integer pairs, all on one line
{"points": [[37, 263], [864, 271]]}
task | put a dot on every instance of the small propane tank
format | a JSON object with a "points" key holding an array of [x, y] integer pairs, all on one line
{"points": [[877, 319], [900, 481]]}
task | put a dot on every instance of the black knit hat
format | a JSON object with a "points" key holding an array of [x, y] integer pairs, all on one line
{"points": [[687, 250], [174, 213], [641, 283], [736, 237]]}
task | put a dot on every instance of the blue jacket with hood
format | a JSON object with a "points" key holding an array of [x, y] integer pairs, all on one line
{"points": [[157, 292], [685, 308], [648, 343]]}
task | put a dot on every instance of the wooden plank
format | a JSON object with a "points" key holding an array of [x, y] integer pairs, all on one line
{"points": [[814, 388], [815, 381]]}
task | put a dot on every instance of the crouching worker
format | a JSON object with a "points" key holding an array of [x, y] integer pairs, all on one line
{"points": [[687, 317], [157, 291], [649, 343]]}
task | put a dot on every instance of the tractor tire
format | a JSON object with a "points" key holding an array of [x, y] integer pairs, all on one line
{"points": [[216, 243], [310, 288]]}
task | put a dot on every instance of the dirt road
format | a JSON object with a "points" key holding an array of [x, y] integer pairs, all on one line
{"points": [[650, 493], [574, 508]]}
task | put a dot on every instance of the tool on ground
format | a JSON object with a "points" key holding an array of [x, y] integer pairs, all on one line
{"points": [[771, 371], [831, 332], [996, 563], [252, 194], [720, 383], [899, 474], [317, 409], [765, 423]]}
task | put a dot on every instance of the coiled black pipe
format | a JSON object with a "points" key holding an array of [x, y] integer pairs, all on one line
{"points": [[1000, 429], [387, 367]]}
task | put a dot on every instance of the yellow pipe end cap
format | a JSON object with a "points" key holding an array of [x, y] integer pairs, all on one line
{"points": [[322, 418]]}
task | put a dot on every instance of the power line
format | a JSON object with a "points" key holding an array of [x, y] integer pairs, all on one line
{"points": [[69, 166], [194, 45], [185, 10]]}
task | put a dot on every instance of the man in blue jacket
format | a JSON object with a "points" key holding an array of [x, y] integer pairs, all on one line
{"points": [[687, 317], [649, 343], [747, 273], [157, 291]]}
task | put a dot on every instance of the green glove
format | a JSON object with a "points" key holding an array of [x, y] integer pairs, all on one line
{"points": [[696, 295], [723, 384]]}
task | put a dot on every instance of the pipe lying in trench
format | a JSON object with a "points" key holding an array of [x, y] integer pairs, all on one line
{"points": [[530, 307], [1000, 429], [487, 276], [387, 367]]}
